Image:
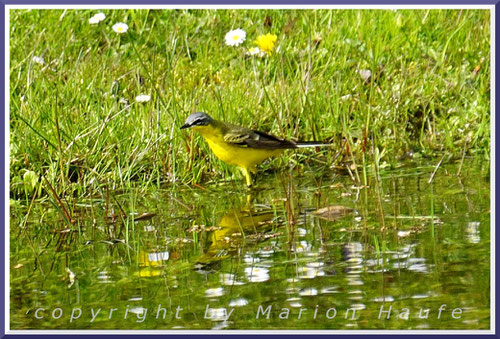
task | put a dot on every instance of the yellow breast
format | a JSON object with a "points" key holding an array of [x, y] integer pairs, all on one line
{"points": [[232, 154]]}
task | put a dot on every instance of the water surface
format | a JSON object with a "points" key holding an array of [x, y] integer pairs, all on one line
{"points": [[224, 257]]}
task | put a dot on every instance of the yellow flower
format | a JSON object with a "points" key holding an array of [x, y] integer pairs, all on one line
{"points": [[266, 42]]}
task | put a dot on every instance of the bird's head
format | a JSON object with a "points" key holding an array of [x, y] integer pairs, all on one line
{"points": [[197, 119]]}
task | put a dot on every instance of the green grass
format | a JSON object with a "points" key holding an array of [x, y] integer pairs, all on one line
{"points": [[429, 92]]}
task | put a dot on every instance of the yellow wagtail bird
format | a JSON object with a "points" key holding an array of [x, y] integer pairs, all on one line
{"points": [[240, 146]]}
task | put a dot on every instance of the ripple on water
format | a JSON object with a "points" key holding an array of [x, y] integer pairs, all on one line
{"points": [[472, 232], [238, 302], [257, 274], [310, 272], [229, 279], [104, 277], [214, 292], [310, 291]]}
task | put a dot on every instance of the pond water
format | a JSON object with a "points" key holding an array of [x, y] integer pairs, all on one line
{"points": [[309, 250]]}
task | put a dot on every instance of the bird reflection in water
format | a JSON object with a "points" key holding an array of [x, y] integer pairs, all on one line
{"points": [[151, 264], [237, 227]]}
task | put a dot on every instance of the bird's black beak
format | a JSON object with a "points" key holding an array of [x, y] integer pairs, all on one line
{"points": [[185, 126]]}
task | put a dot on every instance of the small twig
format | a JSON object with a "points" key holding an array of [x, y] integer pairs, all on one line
{"points": [[65, 211], [124, 214], [181, 203], [435, 170]]}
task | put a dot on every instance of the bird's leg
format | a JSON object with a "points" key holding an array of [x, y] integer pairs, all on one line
{"points": [[249, 200], [247, 175]]}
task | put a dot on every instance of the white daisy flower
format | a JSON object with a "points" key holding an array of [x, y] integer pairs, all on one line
{"points": [[235, 37], [143, 98], [97, 18], [101, 16], [38, 60], [120, 27], [256, 51]]}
